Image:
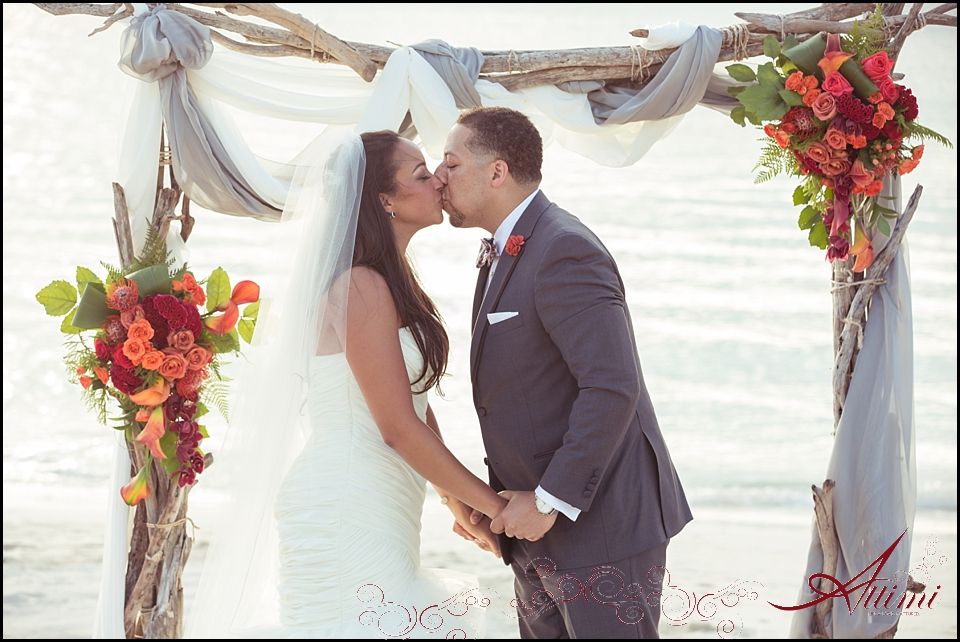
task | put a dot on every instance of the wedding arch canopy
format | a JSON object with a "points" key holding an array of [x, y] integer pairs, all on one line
{"points": [[608, 104]]}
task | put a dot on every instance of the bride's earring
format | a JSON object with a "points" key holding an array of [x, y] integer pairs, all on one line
{"points": [[392, 214]]}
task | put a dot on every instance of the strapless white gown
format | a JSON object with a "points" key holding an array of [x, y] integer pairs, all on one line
{"points": [[348, 519]]}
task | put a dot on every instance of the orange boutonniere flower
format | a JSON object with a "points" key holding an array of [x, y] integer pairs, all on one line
{"points": [[514, 244]]}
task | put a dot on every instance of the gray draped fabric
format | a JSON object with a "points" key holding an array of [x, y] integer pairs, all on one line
{"points": [[159, 46], [458, 66], [684, 80]]}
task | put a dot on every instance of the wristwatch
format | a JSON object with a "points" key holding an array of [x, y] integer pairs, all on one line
{"points": [[544, 508]]}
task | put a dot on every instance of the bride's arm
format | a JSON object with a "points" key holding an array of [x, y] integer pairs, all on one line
{"points": [[376, 359]]}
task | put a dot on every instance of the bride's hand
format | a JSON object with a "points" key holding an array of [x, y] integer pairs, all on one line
{"points": [[475, 531]]}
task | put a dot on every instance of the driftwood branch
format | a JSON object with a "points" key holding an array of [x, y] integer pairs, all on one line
{"points": [[296, 36], [830, 545], [858, 306]]}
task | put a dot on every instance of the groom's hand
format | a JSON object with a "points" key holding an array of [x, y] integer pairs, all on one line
{"points": [[521, 519]]}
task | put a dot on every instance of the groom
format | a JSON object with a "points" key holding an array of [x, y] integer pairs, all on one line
{"points": [[569, 430]]}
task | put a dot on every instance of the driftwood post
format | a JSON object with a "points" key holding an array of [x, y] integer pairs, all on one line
{"points": [[159, 544]]}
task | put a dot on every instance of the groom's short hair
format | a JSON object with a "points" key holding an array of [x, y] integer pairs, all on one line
{"points": [[508, 135]]}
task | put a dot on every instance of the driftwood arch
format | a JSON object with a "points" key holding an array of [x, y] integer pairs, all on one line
{"points": [[159, 547]]}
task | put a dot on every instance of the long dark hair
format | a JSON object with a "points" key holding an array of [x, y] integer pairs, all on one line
{"points": [[376, 248]]}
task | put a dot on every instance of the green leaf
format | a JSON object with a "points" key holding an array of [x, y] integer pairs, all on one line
{"points": [[234, 340], [84, 276], [792, 98], [246, 326], [808, 217], [218, 289], [738, 114], [735, 90], [800, 197], [66, 326], [741, 72], [788, 67], [754, 119], [58, 298], [203, 431], [201, 410], [818, 235], [764, 99], [252, 311], [883, 226], [771, 47], [168, 444], [223, 342], [790, 41]]}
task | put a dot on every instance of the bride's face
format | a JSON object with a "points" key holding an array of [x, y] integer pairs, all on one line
{"points": [[416, 197]]}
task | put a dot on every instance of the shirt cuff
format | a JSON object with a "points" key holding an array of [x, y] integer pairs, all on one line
{"points": [[572, 512]]}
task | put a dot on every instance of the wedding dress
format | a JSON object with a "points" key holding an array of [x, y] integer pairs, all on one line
{"points": [[348, 521]]}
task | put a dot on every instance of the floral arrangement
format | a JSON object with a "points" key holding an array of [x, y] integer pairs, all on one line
{"points": [[141, 338], [834, 116]]}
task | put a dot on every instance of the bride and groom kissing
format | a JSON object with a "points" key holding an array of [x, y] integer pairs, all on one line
{"points": [[582, 497]]}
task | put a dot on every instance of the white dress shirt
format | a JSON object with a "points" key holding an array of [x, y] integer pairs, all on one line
{"points": [[500, 238]]}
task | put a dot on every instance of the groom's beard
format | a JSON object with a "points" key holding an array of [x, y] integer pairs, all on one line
{"points": [[456, 218]]}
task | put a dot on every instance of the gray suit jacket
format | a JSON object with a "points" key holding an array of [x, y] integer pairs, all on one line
{"points": [[561, 399]]}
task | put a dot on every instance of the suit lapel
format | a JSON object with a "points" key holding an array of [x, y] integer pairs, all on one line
{"points": [[478, 294], [505, 267]]}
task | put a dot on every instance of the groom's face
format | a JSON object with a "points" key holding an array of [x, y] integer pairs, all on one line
{"points": [[466, 179]]}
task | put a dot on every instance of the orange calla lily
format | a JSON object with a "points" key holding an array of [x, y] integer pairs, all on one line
{"points": [[152, 396], [863, 250], [137, 489], [833, 56], [245, 292], [225, 322], [152, 432]]}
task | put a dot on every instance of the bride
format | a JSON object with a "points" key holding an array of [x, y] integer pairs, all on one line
{"points": [[325, 465]]}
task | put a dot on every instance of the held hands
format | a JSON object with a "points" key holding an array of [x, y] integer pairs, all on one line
{"points": [[474, 527], [521, 519]]}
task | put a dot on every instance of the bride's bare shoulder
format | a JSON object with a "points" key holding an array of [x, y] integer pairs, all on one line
{"points": [[369, 292]]}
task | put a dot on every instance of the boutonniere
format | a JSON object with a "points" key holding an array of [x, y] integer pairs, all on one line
{"points": [[514, 244]]}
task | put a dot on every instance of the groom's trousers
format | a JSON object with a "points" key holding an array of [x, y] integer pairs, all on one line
{"points": [[617, 600]]}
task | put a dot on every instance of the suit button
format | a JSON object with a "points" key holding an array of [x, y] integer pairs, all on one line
{"points": [[586, 493], [482, 411], [591, 486], [594, 479], [486, 462]]}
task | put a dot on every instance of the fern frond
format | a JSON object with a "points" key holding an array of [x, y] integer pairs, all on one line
{"points": [[916, 130], [217, 393]]}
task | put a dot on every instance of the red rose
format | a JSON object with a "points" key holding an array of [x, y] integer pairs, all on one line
{"points": [[877, 66], [837, 85], [514, 244], [889, 90]]}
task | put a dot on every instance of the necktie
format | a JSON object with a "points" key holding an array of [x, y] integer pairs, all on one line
{"points": [[488, 252]]}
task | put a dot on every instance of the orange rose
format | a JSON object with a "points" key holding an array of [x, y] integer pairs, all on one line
{"points": [[134, 349], [198, 357], [795, 81], [182, 340], [152, 360], [102, 374], [131, 316], [173, 367], [835, 138], [141, 330], [811, 96]]}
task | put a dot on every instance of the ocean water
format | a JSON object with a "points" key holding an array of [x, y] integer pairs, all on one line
{"points": [[731, 311]]}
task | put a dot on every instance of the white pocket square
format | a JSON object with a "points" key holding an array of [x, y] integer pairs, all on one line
{"points": [[496, 317]]}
